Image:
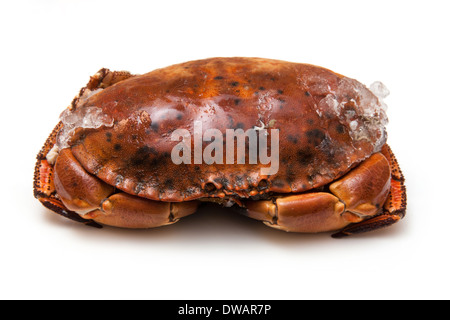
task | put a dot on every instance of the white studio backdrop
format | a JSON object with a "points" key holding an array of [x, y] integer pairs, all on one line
{"points": [[50, 48]]}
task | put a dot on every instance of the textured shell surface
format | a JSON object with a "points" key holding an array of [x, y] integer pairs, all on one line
{"points": [[327, 124]]}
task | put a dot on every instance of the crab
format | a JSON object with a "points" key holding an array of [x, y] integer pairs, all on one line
{"points": [[108, 161]]}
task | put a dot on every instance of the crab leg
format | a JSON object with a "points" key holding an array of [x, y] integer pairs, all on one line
{"points": [[93, 199], [357, 196], [67, 189], [44, 187], [394, 208], [127, 211], [77, 189], [312, 212], [45, 193], [365, 189]]}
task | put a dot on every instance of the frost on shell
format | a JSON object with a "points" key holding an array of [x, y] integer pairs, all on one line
{"points": [[379, 89], [89, 117], [361, 110]]}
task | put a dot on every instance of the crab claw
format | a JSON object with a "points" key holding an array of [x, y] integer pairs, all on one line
{"points": [[127, 211], [365, 189], [311, 212], [357, 196], [77, 189]]}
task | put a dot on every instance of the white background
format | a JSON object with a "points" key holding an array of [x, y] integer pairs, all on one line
{"points": [[50, 48]]}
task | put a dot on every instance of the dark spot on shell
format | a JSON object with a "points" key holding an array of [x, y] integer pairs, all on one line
{"points": [[134, 136], [329, 115], [307, 94], [108, 136], [329, 151], [292, 139], [120, 136], [239, 181], [340, 128], [237, 101], [280, 91], [310, 121], [262, 88], [315, 136], [117, 147], [263, 184], [179, 116], [240, 125], [234, 84], [154, 126], [142, 155], [305, 157], [169, 185], [281, 100], [210, 187], [290, 174], [218, 78], [230, 122]]}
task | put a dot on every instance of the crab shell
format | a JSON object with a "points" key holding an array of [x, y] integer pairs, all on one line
{"points": [[109, 159]]}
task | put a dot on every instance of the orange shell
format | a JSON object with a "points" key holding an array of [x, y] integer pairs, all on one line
{"points": [[319, 140]]}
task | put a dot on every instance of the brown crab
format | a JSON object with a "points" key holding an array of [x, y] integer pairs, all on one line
{"points": [[108, 161]]}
